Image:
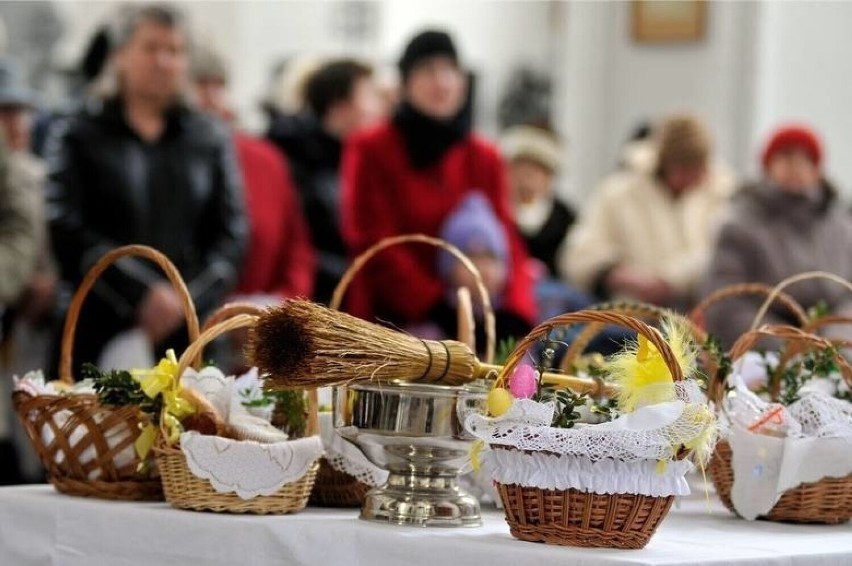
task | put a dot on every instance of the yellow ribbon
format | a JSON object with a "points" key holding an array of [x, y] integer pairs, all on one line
{"points": [[163, 380], [475, 450]]}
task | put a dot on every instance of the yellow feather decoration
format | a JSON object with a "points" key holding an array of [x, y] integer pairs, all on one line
{"points": [[642, 373]]}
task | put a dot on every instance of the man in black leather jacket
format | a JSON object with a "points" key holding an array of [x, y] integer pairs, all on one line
{"points": [[138, 166]]}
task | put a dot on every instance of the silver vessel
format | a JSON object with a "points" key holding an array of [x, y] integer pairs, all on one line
{"points": [[415, 431]]}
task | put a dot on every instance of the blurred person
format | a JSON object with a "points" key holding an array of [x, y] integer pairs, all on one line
{"points": [[788, 222], [473, 227], [279, 261], [407, 176], [341, 99], [139, 165], [19, 236], [27, 173], [649, 237], [534, 156]]}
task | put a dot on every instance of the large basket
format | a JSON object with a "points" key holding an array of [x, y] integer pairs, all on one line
{"points": [[334, 488], [578, 518], [77, 439], [828, 501], [184, 490]]}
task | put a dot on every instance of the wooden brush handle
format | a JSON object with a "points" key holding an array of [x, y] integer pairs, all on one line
{"points": [[806, 276], [791, 335], [641, 311], [697, 314], [361, 260], [171, 272], [592, 316]]}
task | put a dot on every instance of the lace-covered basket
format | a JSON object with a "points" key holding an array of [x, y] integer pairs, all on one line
{"points": [[605, 485], [757, 470]]}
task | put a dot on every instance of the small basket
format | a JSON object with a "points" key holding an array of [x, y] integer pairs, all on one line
{"points": [[90, 426], [574, 517], [338, 489], [828, 501], [184, 490]]}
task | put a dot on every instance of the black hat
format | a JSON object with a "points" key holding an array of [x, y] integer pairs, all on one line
{"points": [[426, 44], [12, 90]]}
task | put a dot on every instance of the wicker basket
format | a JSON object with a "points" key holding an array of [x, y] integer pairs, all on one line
{"points": [[578, 518], [338, 489], [184, 490], [90, 426], [828, 501]]}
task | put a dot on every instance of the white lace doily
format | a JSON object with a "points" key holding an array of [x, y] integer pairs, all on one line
{"points": [[653, 432], [248, 468], [549, 471], [346, 457]]}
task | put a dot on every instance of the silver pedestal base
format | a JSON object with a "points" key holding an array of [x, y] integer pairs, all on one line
{"points": [[421, 500]]}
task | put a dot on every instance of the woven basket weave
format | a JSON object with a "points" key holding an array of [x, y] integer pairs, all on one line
{"points": [[184, 490], [573, 517], [87, 425], [828, 501], [338, 489]]}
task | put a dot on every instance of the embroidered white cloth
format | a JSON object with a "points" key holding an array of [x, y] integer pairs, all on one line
{"points": [[248, 468], [776, 448], [765, 467], [549, 471], [346, 457]]}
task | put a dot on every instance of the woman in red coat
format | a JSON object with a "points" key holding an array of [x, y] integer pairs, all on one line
{"points": [[407, 175]]}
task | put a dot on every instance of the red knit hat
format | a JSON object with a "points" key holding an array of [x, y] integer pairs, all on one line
{"points": [[789, 137]]}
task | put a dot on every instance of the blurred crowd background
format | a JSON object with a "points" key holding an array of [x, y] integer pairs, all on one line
{"points": [[576, 152]]}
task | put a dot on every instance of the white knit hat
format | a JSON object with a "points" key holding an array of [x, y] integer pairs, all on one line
{"points": [[535, 144]]}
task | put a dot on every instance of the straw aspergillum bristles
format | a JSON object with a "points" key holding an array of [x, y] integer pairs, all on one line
{"points": [[303, 344]]}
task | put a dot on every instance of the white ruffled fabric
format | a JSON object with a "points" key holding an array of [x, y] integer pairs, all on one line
{"points": [[345, 457], [249, 469], [561, 472]]}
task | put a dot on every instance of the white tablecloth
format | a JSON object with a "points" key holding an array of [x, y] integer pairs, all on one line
{"points": [[41, 527]]}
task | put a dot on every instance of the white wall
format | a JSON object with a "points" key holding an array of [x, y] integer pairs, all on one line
{"points": [[806, 74]]}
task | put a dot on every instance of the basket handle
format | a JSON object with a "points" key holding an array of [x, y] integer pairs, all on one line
{"points": [[236, 321], [361, 260], [642, 311], [146, 252], [790, 335], [593, 316], [815, 325], [696, 315], [230, 310], [806, 276]]}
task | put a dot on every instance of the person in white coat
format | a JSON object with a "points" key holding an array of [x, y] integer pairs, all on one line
{"points": [[648, 236]]}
